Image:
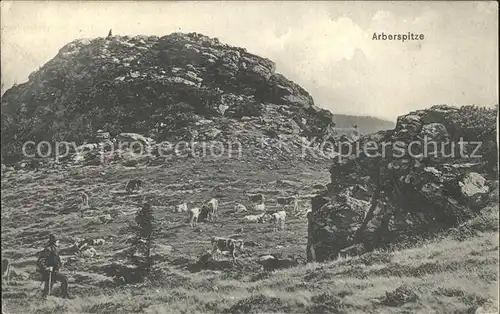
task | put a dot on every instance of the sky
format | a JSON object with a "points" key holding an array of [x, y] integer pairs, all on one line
{"points": [[326, 47]]}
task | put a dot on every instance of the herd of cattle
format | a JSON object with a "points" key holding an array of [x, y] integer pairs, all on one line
{"points": [[209, 212]]}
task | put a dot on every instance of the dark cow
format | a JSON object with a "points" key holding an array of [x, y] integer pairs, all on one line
{"points": [[256, 198], [134, 184], [35, 164], [209, 210], [288, 201], [225, 244]]}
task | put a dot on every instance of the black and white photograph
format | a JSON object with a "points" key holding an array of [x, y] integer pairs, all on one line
{"points": [[255, 157]]}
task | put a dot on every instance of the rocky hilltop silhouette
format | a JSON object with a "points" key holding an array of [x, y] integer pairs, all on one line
{"points": [[175, 87]]}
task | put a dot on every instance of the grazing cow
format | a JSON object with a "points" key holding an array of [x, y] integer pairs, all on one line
{"points": [[288, 201], [181, 208], [260, 207], [134, 184], [256, 201], [194, 213], [225, 244], [5, 268], [265, 257], [240, 208], [85, 199], [254, 218], [210, 209], [256, 198], [278, 218]]}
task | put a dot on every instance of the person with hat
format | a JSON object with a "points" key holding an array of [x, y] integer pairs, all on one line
{"points": [[48, 265]]}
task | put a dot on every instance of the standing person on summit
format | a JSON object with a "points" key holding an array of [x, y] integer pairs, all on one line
{"points": [[48, 265]]}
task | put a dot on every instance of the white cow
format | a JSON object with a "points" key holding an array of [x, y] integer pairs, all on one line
{"points": [[194, 213], [278, 219], [5, 268], [85, 199], [254, 218], [266, 257], [239, 208], [260, 207]]}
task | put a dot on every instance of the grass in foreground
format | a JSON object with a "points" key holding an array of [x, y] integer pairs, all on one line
{"points": [[448, 276], [456, 273]]}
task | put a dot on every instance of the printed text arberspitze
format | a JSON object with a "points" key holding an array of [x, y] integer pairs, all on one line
{"points": [[398, 37]]}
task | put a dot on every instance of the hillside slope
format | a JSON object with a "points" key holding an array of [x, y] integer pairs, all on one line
{"points": [[188, 87], [162, 87], [455, 273]]}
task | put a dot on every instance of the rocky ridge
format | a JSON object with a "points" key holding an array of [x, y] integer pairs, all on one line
{"points": [[421, 181], [175, 87]]}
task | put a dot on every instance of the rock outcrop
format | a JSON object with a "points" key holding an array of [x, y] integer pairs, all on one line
{"points": [[175, 87], [427, 174]]}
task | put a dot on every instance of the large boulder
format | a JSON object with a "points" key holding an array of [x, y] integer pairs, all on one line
{"points": [[472, 184], [412, 180], [335, 226]]}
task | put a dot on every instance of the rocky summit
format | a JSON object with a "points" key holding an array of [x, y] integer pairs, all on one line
{"points": [[170, 88], [435, 170]]}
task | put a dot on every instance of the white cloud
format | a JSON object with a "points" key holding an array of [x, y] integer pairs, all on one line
{"points": [[382, 17]]}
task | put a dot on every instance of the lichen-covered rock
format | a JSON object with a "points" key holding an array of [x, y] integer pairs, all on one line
{"points": [[413, 188]]}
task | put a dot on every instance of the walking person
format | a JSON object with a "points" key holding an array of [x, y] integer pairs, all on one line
{"points": [[48, 265]]}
